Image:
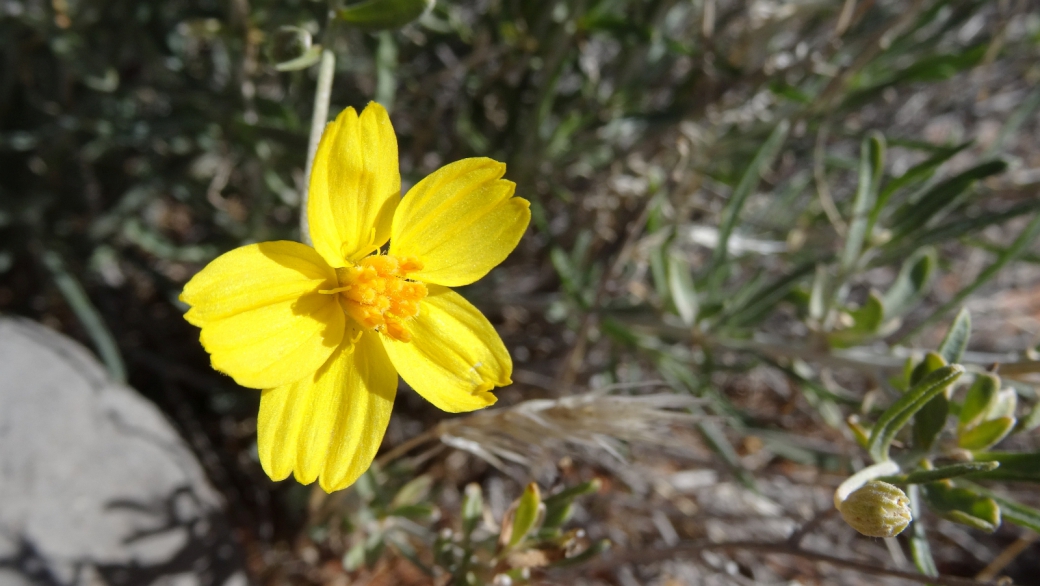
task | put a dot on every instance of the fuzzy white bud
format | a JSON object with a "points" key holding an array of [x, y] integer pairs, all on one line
{"points": [[877, 509]]}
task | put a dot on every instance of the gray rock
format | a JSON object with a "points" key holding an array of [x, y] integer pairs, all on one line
{"points": [[96, 487]]}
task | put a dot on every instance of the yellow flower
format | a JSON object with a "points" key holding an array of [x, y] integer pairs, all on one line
{"points": [[326, 330]]}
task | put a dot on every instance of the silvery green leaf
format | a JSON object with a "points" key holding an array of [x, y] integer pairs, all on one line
{"points": [[986, 434], [956, 340], [310, 57], [980, 399]]}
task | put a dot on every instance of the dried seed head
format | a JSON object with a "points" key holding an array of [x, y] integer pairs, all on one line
{"points": [[877, 509]]}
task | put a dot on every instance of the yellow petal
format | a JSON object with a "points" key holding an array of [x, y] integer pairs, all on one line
{"points": [[460, 222], [329, 425], [262, 321], [253, 276], [355, 185], [455, 356]]}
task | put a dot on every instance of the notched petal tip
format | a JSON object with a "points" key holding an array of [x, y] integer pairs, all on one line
{"points": [[329, 427], [455, 356], [355, 185], [374, 108], [485, 394], [461, 221]]}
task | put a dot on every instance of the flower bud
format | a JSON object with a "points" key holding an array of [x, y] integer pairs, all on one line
{"points": [[877, 509]]}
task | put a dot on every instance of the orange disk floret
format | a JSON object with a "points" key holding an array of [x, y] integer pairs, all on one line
{"points": [[377, 294]]}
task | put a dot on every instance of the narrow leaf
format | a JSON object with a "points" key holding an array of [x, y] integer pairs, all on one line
{"points": [[941, 198], [817, 304], [956, 341], [1031, 420], [1014, 466], [569, 494], [866, 321], [963, 505], [1024, 239], [930, 421], [412, 492], [919, 172], [920, 550], [872, 161], [896, 416], [980, 398], [472, 508], [951, 230], [868, 318], [719, 443], [383, 14], [1004, 405], [526, 514], [680, 285], [767, 297], [1012, 511], [87, 314], [912, 283], [931, 362], [748, 182], [309, 57], [942, 473], [986, 434]]}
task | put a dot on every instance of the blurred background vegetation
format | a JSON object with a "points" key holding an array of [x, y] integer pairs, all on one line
{"points": [[752, 219]]}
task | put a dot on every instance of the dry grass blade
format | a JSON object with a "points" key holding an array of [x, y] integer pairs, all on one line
{"points": [[592, 421]]}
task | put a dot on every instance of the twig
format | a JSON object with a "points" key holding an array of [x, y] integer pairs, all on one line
{"points": [[694, 548], [1007, 556], [403, 448], [322, 96], [1019, 368], [796, 538], [844, 18], [708, 19]]}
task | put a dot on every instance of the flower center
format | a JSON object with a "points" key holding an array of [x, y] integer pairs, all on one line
{"points": [[376, 292]]}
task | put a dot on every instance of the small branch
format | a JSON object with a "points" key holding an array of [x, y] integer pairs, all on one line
{"points": [[695, 548], [1020, 368], [795, 540], [322, 96], [844, 18], [399, 450], [1007, 556]]}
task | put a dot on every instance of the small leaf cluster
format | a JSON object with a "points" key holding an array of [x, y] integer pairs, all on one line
{"points": [[942, 459], [530, 537], [390, 512], [290, 48]]}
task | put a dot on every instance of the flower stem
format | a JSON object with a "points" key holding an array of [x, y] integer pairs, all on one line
{"points": [[322, 96], [860, 478]]}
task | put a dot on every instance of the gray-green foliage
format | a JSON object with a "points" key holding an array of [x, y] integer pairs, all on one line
{"points": [[391, 508], [710, 197]]}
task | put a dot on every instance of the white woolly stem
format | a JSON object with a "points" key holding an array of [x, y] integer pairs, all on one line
{"points": [[854, 482], [322, 96]]}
